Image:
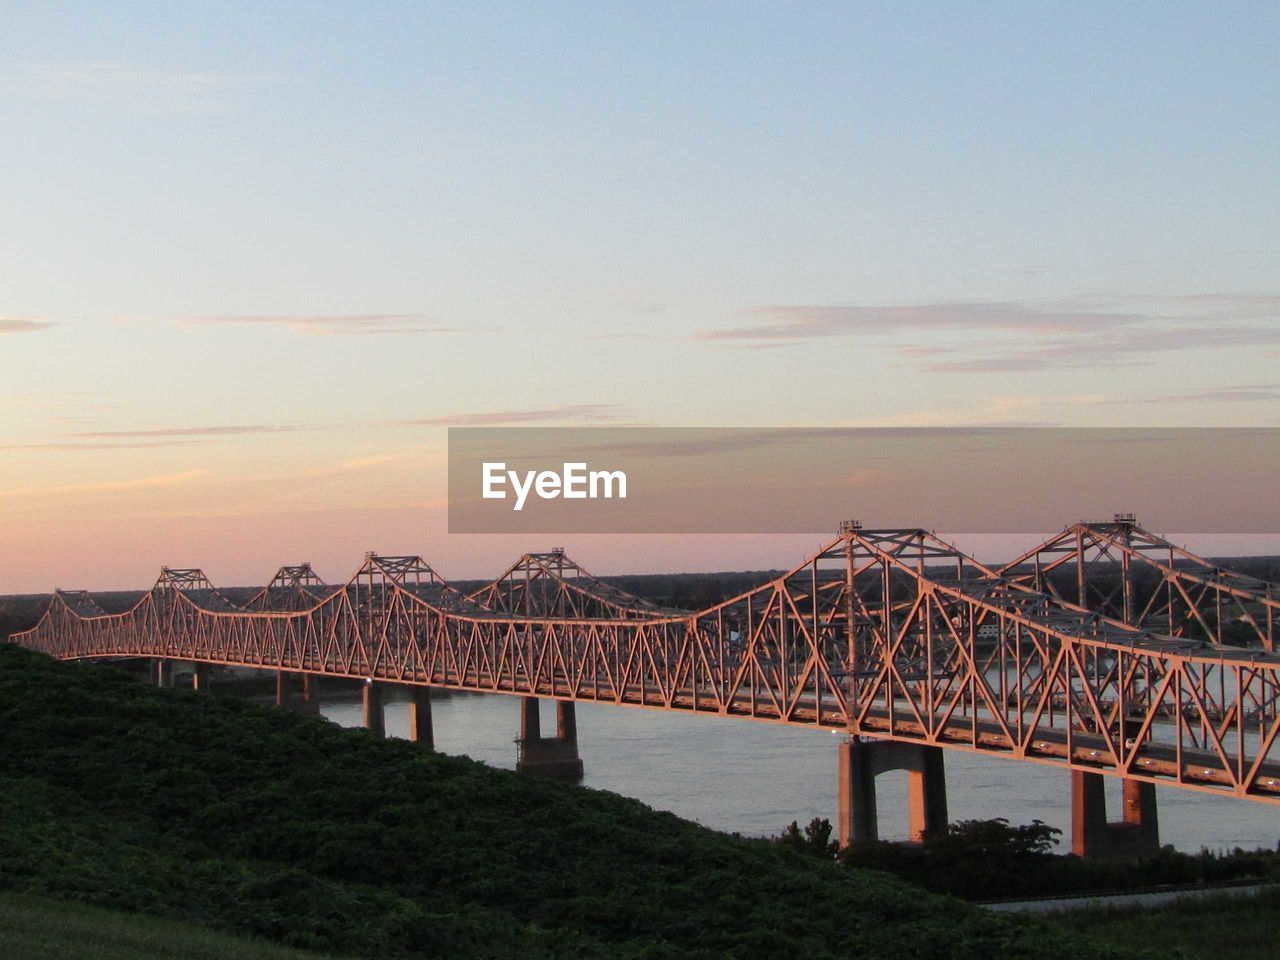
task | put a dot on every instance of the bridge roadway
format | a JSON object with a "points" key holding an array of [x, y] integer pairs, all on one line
{"points": [[894, 637]]}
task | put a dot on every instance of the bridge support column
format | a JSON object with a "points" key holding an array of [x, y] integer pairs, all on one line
{"points": [[530, 719], [567, 724], [373, 714], [200, 677], [861, 761], [282, 688], [549, 756], [420, 727], [164, 672], [927, 793], [310, 696], [287, 695], [856, 817], [1092, 835]]}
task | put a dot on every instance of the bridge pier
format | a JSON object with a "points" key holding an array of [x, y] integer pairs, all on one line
{"points": [[861, 761], [287, 694], [1093, 836], [164, 672], [549, 756], [310, 695], [200, 677], [420, 726], [374, 719]]}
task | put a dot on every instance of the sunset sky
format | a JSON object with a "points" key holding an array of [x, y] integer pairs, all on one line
{"points": [[256, 258]]}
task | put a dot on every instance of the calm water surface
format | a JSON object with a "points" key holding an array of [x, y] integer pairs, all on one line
{"points": [[755, 778]]}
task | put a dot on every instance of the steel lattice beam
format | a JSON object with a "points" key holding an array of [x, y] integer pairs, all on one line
{"points": [[892, 634], [294, 587], [552, 585], [1118, 568]]}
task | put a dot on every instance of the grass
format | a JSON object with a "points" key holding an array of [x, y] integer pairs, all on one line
{"points": [[1219, 927], [33, 928], [246, 819]]}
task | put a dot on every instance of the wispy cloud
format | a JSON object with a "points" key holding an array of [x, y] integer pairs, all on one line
{"points": [[579, 412], [100, 445], [17, 325], [127, 86], [995, 336], [167, 432], [800, 323], [149, 438], [698, 442], [330, 325], [1217, 306], [1242, 393], [1115, 349], [112, 486], [1017, 410]]}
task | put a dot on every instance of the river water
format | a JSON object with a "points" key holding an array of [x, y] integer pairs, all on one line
{"points": [[755, 778]]}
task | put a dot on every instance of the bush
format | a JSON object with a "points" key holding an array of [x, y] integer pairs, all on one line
{"points": [[991, 860]]}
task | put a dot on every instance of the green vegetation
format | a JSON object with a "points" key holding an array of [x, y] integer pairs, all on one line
{"points": [[992, 860], [216, 812], [32, 928], [989, 859], [1223, 927]]}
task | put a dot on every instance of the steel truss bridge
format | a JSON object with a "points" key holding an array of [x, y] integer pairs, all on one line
{"points": [[1101, 650]]}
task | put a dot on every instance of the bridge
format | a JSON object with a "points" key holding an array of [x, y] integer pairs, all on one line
{"points": [[1103, 651]]}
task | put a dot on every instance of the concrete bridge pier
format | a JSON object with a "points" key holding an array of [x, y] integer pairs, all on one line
{"points": [[420, 727], [1093, 836], [549, 756], [200, 677], [287, 693], [861, 761], [374, 718], [310, 695], [164, 672]]}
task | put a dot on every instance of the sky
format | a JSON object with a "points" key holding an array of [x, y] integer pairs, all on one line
{"points": [[257, 258]]}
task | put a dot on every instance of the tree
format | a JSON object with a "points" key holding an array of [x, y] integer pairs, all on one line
{"points": [[815, 840]]}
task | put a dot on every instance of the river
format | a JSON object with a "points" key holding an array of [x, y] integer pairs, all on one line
{"points": [[755, 778]]}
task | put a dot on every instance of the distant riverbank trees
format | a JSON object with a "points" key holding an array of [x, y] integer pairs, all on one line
{"points": [[994, 860]]}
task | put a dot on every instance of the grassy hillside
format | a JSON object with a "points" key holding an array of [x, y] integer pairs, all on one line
{"points": [[213, 811], [32, 928], [1224, 927]]}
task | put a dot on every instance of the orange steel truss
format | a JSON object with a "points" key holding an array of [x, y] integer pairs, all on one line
{"points": [[888, 634], [1120, 569], [296, 587], [552, 585]]}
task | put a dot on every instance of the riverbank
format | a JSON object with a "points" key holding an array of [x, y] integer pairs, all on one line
{"points": [[239, 817], [1225, 926], [1145, 899]]}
